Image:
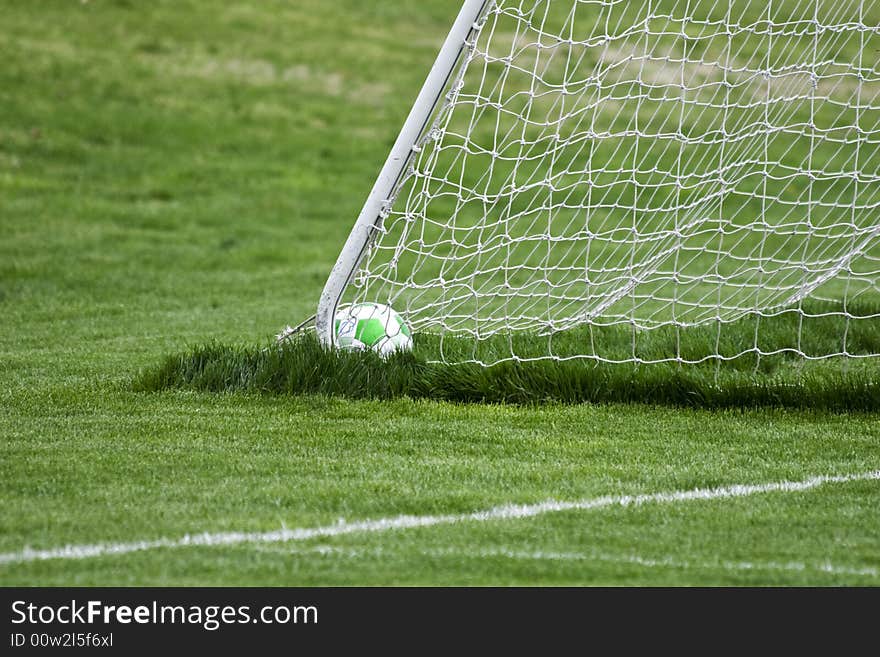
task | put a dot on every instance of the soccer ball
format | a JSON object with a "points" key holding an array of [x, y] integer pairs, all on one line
{"points": [[371, 326]]}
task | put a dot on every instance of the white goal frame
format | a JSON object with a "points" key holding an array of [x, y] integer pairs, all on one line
{"points": [[357, 244]]}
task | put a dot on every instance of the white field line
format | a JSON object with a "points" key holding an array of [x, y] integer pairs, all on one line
{"points": [[634, 559], [507, 512]]}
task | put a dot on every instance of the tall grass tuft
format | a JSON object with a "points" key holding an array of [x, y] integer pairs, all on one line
{"points": [[303, 366]]}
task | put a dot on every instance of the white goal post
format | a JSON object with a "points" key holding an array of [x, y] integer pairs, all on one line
{"points": [[413, 129], [650, 165]]}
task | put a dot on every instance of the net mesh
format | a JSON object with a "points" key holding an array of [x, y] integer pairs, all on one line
{"points": [[651, 165]]}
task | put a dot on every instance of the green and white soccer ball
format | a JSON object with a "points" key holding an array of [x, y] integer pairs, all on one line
{"points": [[371, 326]]}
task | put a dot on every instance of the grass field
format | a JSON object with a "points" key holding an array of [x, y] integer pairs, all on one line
{"points": [[187, 172]]}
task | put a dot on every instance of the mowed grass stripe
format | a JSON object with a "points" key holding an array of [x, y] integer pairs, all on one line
{"points": [[509, 512], [458, 554]]}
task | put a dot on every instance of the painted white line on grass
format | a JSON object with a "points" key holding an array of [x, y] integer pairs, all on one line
{"points": [[507, 512], [541, 555]]}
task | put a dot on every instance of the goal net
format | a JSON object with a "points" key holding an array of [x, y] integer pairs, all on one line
{"points": [[581, 175]]}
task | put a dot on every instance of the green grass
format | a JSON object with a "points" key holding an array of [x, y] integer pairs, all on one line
{"points": [[186, 173], [783, 379]]}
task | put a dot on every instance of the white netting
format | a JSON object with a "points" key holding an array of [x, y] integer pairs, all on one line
{"points": [[645, 164]]}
